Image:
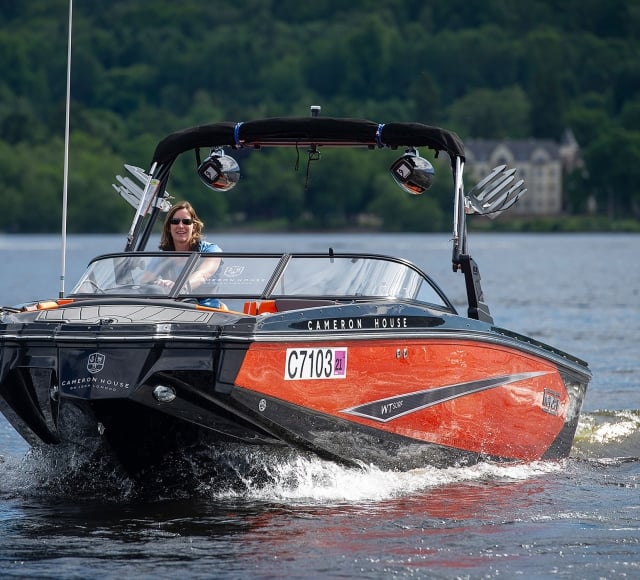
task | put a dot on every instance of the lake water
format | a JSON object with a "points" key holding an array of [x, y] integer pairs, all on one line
{"points": [[577, 518]]}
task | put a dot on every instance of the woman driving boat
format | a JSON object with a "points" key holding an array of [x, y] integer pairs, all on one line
{"points": [[182, 232]]}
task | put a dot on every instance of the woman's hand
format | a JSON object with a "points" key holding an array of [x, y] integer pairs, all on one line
{"points": [[164, 283]]}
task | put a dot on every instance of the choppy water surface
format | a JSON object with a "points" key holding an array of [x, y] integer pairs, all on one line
{"points": [[291, 515]]}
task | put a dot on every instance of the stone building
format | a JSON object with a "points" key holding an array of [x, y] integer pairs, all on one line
{"points": [[541, 163]]}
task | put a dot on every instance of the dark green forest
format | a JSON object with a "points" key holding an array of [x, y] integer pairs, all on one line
{"points": [[142, 69]]}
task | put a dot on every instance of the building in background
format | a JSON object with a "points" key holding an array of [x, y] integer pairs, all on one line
{"points": [[541, 163]]}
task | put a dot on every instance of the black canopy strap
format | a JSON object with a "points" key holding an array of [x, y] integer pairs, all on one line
{"points": [[236, 135], [379, 135]]}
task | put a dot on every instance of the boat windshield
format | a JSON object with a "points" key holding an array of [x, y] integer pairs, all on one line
{"points": [[258, 276]]}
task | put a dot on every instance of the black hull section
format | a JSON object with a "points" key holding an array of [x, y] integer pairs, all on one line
{"points": [[561, 447], [140, 434], [50, 397], [25, 400], [346, 442], [147, 443], [140, 438]]}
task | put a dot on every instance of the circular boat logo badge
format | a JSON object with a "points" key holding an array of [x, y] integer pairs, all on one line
{"points": [[95, 363]]}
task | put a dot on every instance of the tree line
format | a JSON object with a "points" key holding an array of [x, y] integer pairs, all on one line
{"points": [[142, 69]]}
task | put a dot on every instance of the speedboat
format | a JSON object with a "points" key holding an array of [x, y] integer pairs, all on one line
{"points": [[359, 358]]}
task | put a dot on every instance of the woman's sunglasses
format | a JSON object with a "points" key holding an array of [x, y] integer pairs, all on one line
{"points": [[176, 221]]}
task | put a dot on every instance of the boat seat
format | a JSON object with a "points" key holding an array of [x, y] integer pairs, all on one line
{"points": [[256, 307]]}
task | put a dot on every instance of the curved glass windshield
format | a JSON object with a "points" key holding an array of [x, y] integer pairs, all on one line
{"points": [[349, 276], [139, 274], [223, 275]]}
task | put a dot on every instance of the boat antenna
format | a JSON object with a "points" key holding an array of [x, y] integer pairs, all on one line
{"points": [[65, 184], [313, 153]]}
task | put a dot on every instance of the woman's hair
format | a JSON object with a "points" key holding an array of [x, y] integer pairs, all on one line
{"points": [[166, 241]]}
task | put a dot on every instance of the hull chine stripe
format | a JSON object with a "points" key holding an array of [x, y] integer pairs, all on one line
{"points": [[385, 410]]}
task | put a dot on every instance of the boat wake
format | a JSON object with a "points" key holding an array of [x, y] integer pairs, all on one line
{"points": [[255, 473], [63, 472], [309, 480], [236, 472], [608, 435]]}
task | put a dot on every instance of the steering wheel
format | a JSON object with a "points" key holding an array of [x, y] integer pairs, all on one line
{"points": [[94, 285]]}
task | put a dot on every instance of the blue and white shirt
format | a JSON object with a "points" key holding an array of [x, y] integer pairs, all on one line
{"points": [[209, 247]]}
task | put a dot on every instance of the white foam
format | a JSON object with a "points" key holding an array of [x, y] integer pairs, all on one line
{"points": [[317, 481], [608, 426]]}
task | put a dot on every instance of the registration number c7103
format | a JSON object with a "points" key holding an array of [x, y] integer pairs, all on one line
{"points": [[315, 363]]}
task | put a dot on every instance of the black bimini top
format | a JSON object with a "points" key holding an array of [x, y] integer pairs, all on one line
{"points": [[291, 131]]}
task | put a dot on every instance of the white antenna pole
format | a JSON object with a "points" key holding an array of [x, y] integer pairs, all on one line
{"points": [[66, 158]]}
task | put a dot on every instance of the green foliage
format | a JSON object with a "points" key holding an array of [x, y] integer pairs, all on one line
{"points": [[399, 211], [492, 114], [617, 189], [142, 70], [546, 65]]}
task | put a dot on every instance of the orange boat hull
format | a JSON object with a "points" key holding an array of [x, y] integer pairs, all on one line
{"points": [[473, 396]]}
